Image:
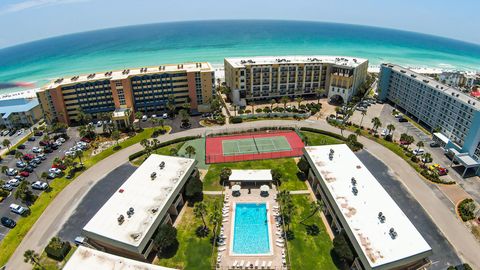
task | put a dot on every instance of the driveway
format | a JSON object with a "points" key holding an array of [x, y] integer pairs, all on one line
{"points": [[94, 200], [443, 253]]}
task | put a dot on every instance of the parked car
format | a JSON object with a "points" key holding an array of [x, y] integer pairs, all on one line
{"points": [[8, 222], [19, 178], [42, 156], [165, 116], [61, 139], [84, 139], [51, 176], [24, 173], [21, 146], [442, 171], [11, 172], [56, 171], [154, 116], [40, 185], [37, 160], [12, 132], [20, 164], [28, 157], [38, 133], [43, 143], [79, 240], [17, 209], [31, 139], [418, 152], [434, 144], [13, 182], [7, 187], [401, 120], [28, 169], [144, 118], [36, 149], [32, 164]]}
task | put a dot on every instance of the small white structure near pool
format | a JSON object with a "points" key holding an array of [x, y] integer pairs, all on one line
{"points": [[250, 176]]}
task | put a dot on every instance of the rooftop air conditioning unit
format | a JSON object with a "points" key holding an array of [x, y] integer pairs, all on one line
{"points": [[393, 233], [120, 219], [153, 175], [130, 212]]}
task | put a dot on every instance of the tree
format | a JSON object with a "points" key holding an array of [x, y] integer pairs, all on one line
{"points": [[19, 155], [24, 193], [299, 101], [185, 117], [31, 257], [165, 238], [426, 158], [284, 100], [272, 102], [215, 216], [342, 128], [86, 131], [190, 150], [200, 211], [225, 174], [116, 136], [390, 128], [358, 132], [420, 144], [147, 146], [364, 112], [79, 155], [287, 206], [320, 92], [337, 111], [314, 207], [173, 151], [342, 248], [253, 107], [6, 143], [194, 187], [138, 115], [376, 123], [276, 176], [303, 165]]}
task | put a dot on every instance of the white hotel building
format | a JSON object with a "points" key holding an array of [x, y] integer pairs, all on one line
{"points": [[153, 195], [263, 78], [381, 234]]}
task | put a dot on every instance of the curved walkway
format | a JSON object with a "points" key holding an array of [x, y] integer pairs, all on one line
{"points": [[66, 202]]}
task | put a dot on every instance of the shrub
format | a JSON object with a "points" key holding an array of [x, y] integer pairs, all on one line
{"points": [[303, 165], [236, 120], [160, 145], [241, 111], [342, 248], [57, 249], [466, 209], [194, 186], [414, 159]]}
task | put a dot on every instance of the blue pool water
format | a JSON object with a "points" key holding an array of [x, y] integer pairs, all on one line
{"points": [[250, 233]]}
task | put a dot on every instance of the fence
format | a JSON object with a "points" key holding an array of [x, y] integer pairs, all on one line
{"points": [[248, 130], [220, 158]]}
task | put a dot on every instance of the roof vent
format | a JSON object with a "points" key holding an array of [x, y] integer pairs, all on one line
{"points": [[120, 219], [330, 155], [162, 165], [381, 217], [355, 191], [354, 181], [393, 233], [130, 212], [153, 175]]}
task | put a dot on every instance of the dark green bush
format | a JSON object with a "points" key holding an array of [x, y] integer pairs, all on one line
{"points": [[466, 209], [236, 120], [160, 145], [57, 249]]}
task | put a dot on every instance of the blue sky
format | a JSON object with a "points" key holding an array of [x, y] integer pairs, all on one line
{"points": [[27, 20]]}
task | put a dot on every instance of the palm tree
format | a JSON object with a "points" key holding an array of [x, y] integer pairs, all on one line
{"points": [[426, 158], [420, 144], [299, 101], [30, 256], [19, 155], [116, 135], [272, 102], [391, 129], [253, 107], [190, 150], [79, 155], [363, 115], [6, 143], [358, 132], [376, 123], [185, 117], [147, 146], [337, 111], [314, 207], [284, 100], [173, 151], [320, 92], [200, 210], [215, 217], [138, 115], [342, 128]]}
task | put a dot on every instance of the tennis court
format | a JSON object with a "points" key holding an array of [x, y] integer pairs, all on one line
{"points": [[265, 145], [255, 145]]}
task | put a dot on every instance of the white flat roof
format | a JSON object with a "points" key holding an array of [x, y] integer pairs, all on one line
{"points": [[361, 211], [120, 74], [86, 258], [239, 62], [251, 175], [441, 137], [147, 197]]}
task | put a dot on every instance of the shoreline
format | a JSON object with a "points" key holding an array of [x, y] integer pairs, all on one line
{"points": [[220, 74]]}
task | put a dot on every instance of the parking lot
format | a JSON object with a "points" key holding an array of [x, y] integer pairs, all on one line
{"points": [[94, 200], [443, 253], [10, 161]]}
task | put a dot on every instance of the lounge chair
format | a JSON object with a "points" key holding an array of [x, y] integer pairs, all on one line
{"points": [[279, 244], [269, 265], [220, 249], [234, 264], [264, 263], [256, 264], [240, 265], [280, 240], [247, 265]]}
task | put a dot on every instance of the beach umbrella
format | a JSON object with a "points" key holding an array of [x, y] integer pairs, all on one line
{"points": [[264, 188], [236, 188]]}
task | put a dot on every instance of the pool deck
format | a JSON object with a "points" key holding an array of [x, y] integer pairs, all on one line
{"points": [[227, 258]]}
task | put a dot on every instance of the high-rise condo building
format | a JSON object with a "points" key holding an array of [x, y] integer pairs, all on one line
{"points": [[264, 78], [148, 90], [451, 114]]}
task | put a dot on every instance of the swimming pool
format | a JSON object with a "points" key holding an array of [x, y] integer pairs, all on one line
{"points": [[250, 232]]}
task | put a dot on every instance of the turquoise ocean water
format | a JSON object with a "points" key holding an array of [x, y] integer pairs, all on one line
{"points": [[154, 44]]}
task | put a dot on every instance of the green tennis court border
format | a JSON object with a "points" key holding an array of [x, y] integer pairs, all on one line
{"points": [[255, 145]]}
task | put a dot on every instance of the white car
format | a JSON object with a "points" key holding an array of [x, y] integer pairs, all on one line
{"points": [[17, 209], [55, 170], [99, 123], [418, 152], [144, 118], [61, 139], [40, 185], [154, 116], [70, 153], [165, 116], [37, 149], [13, 182]]}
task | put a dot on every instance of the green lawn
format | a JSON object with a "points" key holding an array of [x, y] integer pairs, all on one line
{"points": [[161, 151], [287, 166], [306, 251], [52, 264], [319, 139], [193, 252], [16, 235]]}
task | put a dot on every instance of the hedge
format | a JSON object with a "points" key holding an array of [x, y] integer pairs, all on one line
{"points": [[466, 209], [355, 146], [236, 120], [160, 145], [57, 249]]}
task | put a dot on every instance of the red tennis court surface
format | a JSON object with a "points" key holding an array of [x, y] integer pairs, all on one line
{"points": [[214, 152]]}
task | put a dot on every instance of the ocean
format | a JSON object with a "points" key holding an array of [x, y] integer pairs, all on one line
{"points": [[154, 44]]}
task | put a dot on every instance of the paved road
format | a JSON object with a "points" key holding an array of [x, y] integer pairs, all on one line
{"points": [[94, 200], [443, 253], [10, 161], [67, 201]]}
